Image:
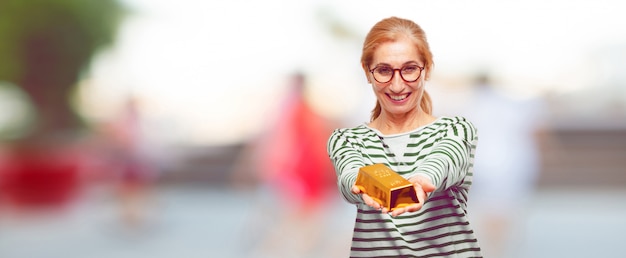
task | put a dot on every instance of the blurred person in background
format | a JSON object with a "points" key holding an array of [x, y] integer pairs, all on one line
{"points": [[289, 162], [134, 170], [506, 165], [434, 153]]}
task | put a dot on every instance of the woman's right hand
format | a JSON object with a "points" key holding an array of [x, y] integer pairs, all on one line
{"points": [[369, 201]]}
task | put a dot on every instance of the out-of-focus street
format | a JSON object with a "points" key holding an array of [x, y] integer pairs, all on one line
{"points": [[214, 222], [182, 222]]}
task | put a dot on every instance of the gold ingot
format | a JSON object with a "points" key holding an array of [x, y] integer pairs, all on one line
{"points": [[386, 186]]}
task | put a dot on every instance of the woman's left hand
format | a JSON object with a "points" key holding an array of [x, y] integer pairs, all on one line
{"points": [[423, 186]]}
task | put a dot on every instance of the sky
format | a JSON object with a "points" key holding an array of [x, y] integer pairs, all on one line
{"points": [[213, 72]]}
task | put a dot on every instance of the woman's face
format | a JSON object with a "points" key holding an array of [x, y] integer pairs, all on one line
{"points": [[397, 97]]}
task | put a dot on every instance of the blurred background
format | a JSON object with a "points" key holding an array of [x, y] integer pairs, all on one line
{"points": [[151, 128]]}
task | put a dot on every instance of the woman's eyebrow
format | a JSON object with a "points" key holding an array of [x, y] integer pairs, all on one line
{"points": [[405, 63], [410, 62]]}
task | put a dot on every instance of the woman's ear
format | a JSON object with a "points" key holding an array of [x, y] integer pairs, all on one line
{"points": [[367, 74]]}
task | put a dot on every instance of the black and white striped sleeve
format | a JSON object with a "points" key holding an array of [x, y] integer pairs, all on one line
{"points": [[347, 160], [451, 159]]}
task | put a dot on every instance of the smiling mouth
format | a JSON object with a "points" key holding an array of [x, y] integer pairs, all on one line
{"points": [[399, 97]]}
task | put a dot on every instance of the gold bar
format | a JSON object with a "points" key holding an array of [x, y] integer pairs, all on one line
{"points": [[386, 186]]}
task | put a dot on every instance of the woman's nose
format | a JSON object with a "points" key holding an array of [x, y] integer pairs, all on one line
{"points": [[397, 83]]}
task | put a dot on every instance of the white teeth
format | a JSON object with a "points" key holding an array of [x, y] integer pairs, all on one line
{"points": [[398, 98]]}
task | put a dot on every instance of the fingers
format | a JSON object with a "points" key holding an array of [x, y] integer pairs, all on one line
{"points": [[398, 211], [355, 189], [370, 202], [419, 192], [367, 199], [428, 187], [424, 182], [411, 208], [422, 186]]}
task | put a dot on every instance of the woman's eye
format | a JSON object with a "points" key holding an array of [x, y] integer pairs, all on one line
{"points": [[410, 69], [384, 70]]}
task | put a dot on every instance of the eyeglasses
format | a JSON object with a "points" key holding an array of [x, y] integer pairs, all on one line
{"points": [[408, 73]]}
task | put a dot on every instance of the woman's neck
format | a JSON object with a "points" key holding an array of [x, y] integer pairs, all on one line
{"points": [[389, 124]]}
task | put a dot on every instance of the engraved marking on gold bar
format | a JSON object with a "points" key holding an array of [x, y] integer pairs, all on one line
{"points": [[386, 186]]}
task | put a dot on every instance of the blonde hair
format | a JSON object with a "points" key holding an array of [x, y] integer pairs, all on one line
{"points": [[389, 30]]}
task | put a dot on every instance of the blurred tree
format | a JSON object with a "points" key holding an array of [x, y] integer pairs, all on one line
{"points": [[45, 46]]}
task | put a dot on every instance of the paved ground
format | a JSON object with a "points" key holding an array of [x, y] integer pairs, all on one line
{"points": [[205, 222]]}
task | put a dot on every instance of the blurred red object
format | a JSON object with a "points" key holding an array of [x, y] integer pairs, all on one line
{"points": [[43, 177]]}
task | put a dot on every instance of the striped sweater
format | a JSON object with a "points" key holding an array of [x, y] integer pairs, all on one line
{"points": [[443, 151]]}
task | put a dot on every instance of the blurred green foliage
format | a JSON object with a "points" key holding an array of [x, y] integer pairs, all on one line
{"points": [[45, 46]]}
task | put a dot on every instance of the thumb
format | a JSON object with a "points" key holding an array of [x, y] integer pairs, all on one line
{"points": [[428, 187], [425, 183]]}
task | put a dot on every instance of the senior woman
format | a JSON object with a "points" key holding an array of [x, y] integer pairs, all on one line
{"points": [[434, 153]]}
